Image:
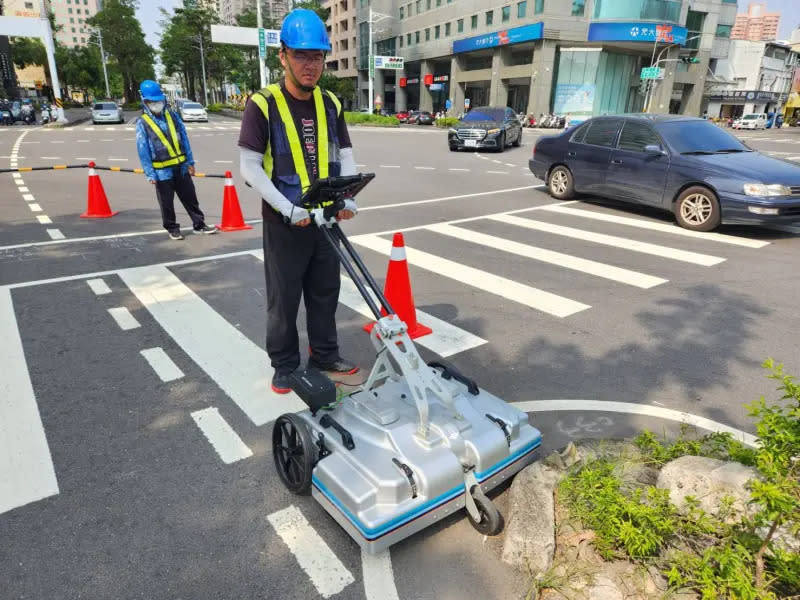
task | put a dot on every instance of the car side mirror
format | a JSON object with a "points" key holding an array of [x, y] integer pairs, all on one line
{"points": [[655, 149]]}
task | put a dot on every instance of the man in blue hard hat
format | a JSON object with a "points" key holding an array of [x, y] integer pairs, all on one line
{"points": [[167, 160], [292, 134]]}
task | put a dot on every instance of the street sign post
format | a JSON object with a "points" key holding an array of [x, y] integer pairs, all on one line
{"points": [[389, 62], [652, 73], [262, 42]]}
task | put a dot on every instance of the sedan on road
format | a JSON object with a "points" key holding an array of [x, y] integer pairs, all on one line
{"points": [[425, 118], [701, 173], [107, 112], [193, 111], [486, 127]]}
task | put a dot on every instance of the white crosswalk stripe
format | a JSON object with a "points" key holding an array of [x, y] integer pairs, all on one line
{"points": [[662, 227], [548, 256], [532, 297], [612, 240]]}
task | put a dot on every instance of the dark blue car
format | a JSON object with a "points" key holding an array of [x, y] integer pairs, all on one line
{"points": [[685, 165]]}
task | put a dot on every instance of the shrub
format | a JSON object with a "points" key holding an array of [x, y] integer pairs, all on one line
{"points": [[446, 122], [697, 550], [353, 118], [215, 107]]}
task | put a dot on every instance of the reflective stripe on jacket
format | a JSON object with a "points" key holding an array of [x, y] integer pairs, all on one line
{"points": [[166, 154], [284, 161]]}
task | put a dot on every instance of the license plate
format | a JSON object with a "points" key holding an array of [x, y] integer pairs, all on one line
{"points": [[470, 143]]}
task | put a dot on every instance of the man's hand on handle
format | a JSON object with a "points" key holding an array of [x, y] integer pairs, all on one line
{"points": [[191, 170]]}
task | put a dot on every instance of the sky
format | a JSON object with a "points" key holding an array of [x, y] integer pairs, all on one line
{"points": [[149, 15]]}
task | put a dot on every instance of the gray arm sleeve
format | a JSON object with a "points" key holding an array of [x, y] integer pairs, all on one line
{"points": [[347, 161], [251, 168]]}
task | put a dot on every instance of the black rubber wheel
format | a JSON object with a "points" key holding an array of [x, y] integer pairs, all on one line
{"points": [[501, 142], [491, 522], [293, 451], [697, 209], [518, 142], [560, 183]]}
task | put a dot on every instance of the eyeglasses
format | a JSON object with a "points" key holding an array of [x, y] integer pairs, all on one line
{"points": [[307, 58]]}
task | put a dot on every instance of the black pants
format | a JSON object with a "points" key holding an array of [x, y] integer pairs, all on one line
{"points": [[299, 260], [184, 187]]}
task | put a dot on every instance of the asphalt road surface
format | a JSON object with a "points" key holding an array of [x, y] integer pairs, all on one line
{"points": [[135, 459]]}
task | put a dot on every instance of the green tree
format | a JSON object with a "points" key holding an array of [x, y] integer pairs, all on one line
{"points": [[28, 51], [124, 41]]}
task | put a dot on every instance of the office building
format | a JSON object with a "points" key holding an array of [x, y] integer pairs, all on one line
{"points": [[758, 79], [757, 24], [273, 10], [341, 24], [575, 57], [71, 15]]}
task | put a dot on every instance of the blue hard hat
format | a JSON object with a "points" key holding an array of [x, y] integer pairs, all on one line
{"points": [[302, 29], [151, 91]]}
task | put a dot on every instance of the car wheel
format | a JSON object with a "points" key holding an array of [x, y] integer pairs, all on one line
{"points": [[501, 142], [697, 209], [560, 183], [518, 142]]}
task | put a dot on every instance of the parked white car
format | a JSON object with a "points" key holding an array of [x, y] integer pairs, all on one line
{"points": [[107, 112], [193, 111], [752, 121]]}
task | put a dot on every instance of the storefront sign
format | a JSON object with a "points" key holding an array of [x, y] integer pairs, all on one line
{"points": [[574, 99], [440, 78], [428, 78], [411, 81], [389, 62], [637, 32], [403, 82], [745, 96], [526, 33]]}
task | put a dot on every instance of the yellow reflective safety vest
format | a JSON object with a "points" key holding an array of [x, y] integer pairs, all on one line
{"points": [[284, 160], [166, 154]]}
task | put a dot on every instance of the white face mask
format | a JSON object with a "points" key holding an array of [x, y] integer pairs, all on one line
{"points": [[156, 107]]}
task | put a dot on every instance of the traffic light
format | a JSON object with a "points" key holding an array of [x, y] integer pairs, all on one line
{"points": [[690, 60]]}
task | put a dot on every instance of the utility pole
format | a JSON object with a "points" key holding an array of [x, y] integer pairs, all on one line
{"points": [[103, 58], [261, 61], [370, 66], [203, 65]]}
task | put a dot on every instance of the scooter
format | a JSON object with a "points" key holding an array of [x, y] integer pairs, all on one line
{"points": [[412, 445], [28, 116], [45, 114]]}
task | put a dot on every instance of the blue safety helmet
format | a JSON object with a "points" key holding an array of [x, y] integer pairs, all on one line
{"points": [[302, 29], [150, 91]]}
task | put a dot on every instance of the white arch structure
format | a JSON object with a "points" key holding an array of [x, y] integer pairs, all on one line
{"points": [[39, 28]]}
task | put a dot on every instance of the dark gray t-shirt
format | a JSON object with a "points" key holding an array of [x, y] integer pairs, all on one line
{"points": [[254, 134]]}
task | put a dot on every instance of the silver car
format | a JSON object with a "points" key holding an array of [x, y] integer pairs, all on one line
{"points": [[193, 111], [107, 112]]}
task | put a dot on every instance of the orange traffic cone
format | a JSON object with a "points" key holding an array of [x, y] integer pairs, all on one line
{"points": [[97, 204], [232, 219], [398, 290]]}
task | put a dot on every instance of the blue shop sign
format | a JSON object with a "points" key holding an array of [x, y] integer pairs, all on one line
{"points": [[637, 32], [526, 33]]}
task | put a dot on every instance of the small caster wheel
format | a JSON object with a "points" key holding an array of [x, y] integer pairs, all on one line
{"points": [[293, 451], [491, 522]]}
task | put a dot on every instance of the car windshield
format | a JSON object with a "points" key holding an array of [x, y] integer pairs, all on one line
{"points": [[105, 106], [192, 105], [750, 117], [699, 137], [484, 114]]}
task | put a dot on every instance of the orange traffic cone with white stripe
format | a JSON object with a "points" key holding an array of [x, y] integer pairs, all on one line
{"points": [[397, 290], [232, 219], [97, 204]]}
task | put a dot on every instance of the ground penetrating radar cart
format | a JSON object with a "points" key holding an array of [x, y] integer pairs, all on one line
{"points": [[413, 444]]}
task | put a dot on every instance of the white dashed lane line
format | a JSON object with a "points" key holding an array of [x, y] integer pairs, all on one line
{"points": [[124, 318], [35, 207], [220, 434], [162, 364], [55, 234], [425, 168], [44, 219], [99, 286]]}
